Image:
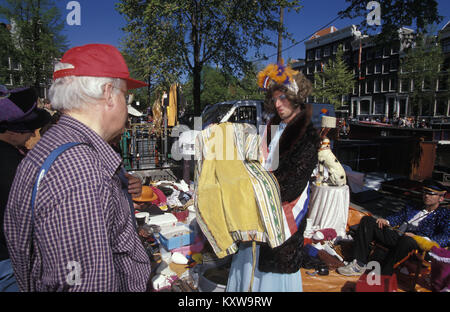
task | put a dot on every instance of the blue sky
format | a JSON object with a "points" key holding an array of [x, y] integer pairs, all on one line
{"points": [[101, 23]]}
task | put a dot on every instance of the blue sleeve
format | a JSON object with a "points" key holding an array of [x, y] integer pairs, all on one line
{"points": [[398, 218], [442, 229]]}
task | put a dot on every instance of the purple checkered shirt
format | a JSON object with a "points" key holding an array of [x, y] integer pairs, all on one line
{"points": [[84, 238]]}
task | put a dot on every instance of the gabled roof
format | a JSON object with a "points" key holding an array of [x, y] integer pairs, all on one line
{"points": [[323, 32]]}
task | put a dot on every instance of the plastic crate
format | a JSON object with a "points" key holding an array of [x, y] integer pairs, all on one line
{"points": [[177, 237]]}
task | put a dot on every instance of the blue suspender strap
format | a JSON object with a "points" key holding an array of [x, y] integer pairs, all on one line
{"points": [[41, 173], [45, 167]]}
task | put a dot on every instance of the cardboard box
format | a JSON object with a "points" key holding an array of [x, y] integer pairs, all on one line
{"points": [[166, 221], [177, 237]]}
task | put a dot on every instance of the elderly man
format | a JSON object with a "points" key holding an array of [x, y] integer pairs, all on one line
{"points": [[402, 232], [81, 235], [18, 120]]}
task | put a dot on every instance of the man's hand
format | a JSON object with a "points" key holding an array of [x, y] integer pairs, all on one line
{"points": [[134, 185], [409, 234], [382, 222]]}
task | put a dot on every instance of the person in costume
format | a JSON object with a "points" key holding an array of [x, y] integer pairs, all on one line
{"points": [[291, 154], [410, 228]]}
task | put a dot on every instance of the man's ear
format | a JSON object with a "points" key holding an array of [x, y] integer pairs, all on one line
{"points": [[108, 91]]}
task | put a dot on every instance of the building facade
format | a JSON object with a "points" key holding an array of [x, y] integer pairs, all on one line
{"points": [[378, 91], [12, 71]]}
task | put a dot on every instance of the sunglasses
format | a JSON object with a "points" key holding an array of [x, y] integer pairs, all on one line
{"points": [[281, 98]]}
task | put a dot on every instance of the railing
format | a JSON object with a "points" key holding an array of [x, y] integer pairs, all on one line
{"points": [[141, 149]]}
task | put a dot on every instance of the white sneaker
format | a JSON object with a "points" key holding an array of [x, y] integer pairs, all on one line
{"points": [[352, 269]]}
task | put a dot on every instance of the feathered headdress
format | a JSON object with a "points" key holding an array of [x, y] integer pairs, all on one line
{"points": [[279, 74]]}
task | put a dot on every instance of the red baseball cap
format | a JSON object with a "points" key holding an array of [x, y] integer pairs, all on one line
{"points": [[97, 60]]}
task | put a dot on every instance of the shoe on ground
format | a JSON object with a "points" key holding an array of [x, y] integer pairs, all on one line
{"points": [[352, 269]]}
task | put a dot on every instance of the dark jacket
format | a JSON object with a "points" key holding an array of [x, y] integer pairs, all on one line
{"points": [[298, 156], [11, 158]]}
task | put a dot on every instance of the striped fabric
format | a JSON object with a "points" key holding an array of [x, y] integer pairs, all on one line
{"points": [[266, 195]]}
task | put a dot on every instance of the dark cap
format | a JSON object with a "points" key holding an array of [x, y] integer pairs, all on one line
{"points": [[433, 187], [19, 112]]}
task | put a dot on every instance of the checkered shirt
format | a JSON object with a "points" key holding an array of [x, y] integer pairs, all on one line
{"points": [[83, 237]]}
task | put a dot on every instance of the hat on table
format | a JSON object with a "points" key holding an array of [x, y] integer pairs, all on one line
{"points": [[147, 195], [97, 60], [19, 111]]}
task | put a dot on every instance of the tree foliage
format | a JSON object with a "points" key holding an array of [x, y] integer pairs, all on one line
{"points": [[219, 86], [36, 38], [395, 14], [171, 38], [422, 65], [334, 81]]}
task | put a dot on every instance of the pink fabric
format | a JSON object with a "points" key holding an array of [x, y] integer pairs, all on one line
{"points": [[440, 269], [162, 199], [329, 234]]}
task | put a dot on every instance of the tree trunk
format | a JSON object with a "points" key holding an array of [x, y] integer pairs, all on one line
{"points": [[196, 90], [197, 65]]}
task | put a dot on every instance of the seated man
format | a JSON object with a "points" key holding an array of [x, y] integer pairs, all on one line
{"points": [[430, 221]]}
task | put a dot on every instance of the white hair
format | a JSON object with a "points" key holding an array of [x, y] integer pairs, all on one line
{"points": [[72, 92]]}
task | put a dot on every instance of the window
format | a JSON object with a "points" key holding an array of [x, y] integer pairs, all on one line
{"points": [[378, 52], [377, 68], [369, 55], [386, 67], [441, 107], [369, 87], [364, 107], [15, 65], [443, 84], [310, 55], [379, 107], [394, 65], [386, 52], [369, 69], [395, 48], [310, 70], [427, 85], [326, 51], [335, 48], [393, 85], [446, 46], [385, 85], [377, 86], [318, 54], [9, 82], [318, 67]]}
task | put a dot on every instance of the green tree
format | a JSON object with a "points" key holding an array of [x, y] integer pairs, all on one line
{"points": [[394, 15], [171, 38], [6, 52], [422, 66], [334, 81], [219, 86], [36, 36]]}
